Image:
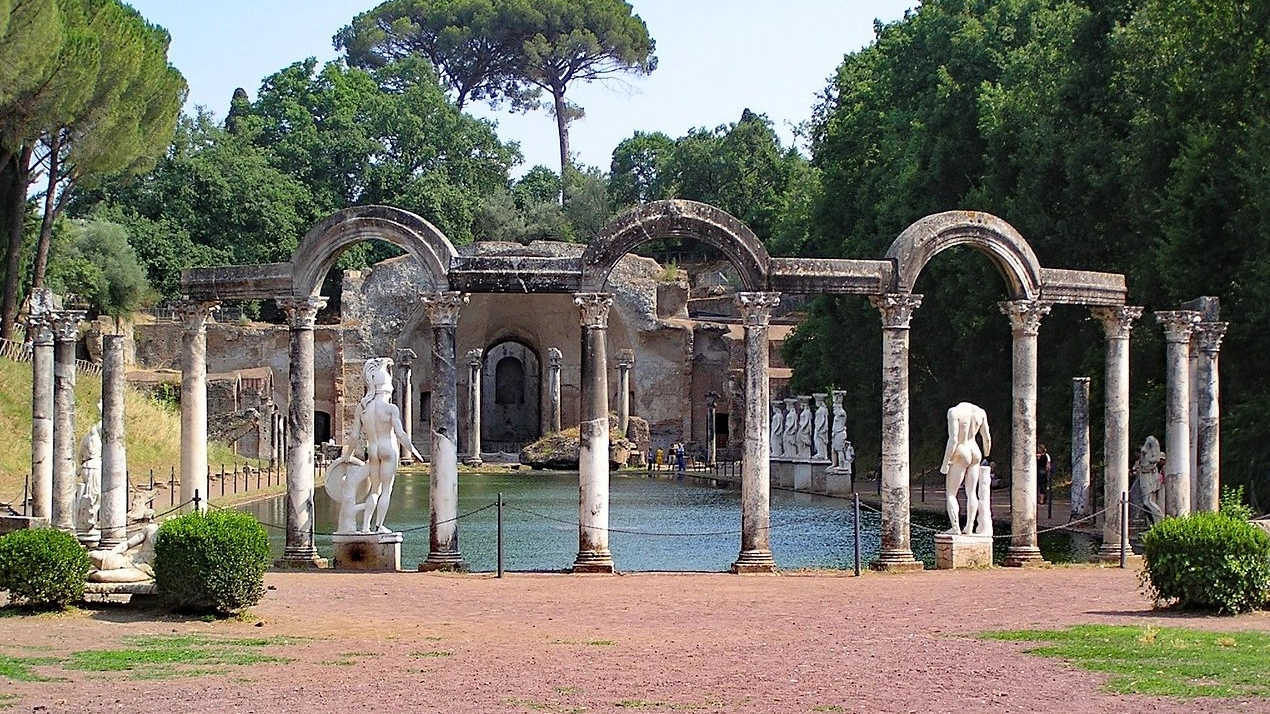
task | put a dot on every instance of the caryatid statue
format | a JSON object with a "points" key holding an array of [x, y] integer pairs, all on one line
{"points": [[777, 430], [821, 428], [804, 428], [377, 422], [790, 434], [961, 464], [838, 436], [1150, 479], [88, 489]]}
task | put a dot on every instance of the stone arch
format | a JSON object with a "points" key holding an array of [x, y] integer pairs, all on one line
{"points": [[982, 231], [317, 251], [676, 218]]}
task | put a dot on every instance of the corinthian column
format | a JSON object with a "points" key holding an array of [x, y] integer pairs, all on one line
{"points": [[756, 548], [1025, 322], [1208, 337], [404, 387], [553, 388], [593, 437], [65, 334], [300, 552], [40, 329], [1117, 322], [897, 551], [474, 406], [194, 316], [1178, 326], [443, 464], [625, 358]]}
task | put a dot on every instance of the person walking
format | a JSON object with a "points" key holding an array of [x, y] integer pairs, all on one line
{"points": [[1044, 473]]}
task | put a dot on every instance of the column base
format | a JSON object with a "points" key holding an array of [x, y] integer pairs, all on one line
{"points": [[473, 461], [753, 562], [594, 561], [307, 559], [444, 563], [1110, 555], [897, 562], [1023, 556], [90, 540]]}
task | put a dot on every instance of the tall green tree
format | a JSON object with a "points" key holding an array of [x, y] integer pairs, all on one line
{"points": [[96, 262]]}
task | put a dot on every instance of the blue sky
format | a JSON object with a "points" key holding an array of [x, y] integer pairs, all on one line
{"points": [[716, 58]]}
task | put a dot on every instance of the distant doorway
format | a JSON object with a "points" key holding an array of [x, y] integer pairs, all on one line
{"points": [[510, 411]]}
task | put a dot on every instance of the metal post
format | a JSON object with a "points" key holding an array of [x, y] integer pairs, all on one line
{"points": [[172, 486], [856, 528], [196, 500], [1124, 529], [922, 476], [500, 534], [26, 494], [1049, 496], [222, 479]]}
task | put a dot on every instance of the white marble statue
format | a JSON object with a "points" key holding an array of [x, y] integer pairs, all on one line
{"points": [[790, 435], [777, 431], [88, 485], [1150, 478], [804, 428], [821, 428], [838, 436], [127, 562], [365, 487], [961, 464]]}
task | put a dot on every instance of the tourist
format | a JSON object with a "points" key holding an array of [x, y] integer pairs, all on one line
{"points": [[1044, 472]]}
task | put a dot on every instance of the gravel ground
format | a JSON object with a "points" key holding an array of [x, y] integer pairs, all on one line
{"points": [[796, 642]]}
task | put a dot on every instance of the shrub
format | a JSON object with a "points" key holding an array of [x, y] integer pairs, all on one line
{"points": [[1207, 561], [211, 562], [43, 568]]}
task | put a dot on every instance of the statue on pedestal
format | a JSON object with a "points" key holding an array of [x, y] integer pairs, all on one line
{"points": [[842, 454], [88, 487], [1150, 478], [790, 435], [962, 456], [804, 428], [365, 487], [821, 428], [776, 435], [127, 562]]}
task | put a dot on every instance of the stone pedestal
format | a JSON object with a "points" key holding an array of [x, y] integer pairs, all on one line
{"points": [[782, 473], [962, 551], [837, 481], [802, 476], [9, 524], [819, 478], [366, 551]]}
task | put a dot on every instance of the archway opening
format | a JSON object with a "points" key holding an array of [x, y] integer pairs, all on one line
{"points": [[510, 389]]}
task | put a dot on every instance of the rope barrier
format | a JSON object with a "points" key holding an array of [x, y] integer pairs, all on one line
{"points": [[403, 530], [926, 528], [704, 534]]}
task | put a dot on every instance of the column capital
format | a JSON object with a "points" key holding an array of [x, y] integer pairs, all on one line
{"points": [[474, 357], [443, 307], [194, 313], [554, 356], [1025, 315], [1208, 336], [896, 308], [756, 308], [406, 357], [594, 308], [39, 328], [1178, 324], [65, 324], [1117, 320], [302, 311], [625, 358]]}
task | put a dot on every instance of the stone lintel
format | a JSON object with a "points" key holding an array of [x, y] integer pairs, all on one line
{"points": [[516, 274], [237, 282], [1083, 287], [831, 276]]}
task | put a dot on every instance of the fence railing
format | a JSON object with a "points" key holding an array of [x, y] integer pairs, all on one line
{"points": [[21, 352]]}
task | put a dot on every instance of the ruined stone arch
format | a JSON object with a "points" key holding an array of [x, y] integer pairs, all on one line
{"points": [[676, 218], [318, 250], [982, 231]]}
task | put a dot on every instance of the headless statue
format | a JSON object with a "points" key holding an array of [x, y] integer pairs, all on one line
{"points": [[1150, 480], [88, 488], [838, 435], [377, 422], [776, 433], [805, 435], [962, 456], [821, 429], [791, 429]]}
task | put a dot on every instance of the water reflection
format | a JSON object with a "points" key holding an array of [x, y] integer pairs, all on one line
{"points": [[655, 524]]}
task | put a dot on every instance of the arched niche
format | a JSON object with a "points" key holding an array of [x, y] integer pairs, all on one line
{"points": [[510, 396], [676, 218], [984, 232]]}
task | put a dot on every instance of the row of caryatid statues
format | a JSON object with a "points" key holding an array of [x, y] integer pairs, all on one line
{"points": [[799, 433]]}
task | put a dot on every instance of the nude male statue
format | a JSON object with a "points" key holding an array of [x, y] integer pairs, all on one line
{"points": [[961, 463], [377, 421], [129, 561]]}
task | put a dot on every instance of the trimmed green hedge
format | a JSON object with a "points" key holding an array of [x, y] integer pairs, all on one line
{"points": [[211, 562], [1209, 562], [43, 568]]}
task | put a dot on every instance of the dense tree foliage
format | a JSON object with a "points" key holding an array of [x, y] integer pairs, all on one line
{"points": [[1127, 136], [95, 261]]}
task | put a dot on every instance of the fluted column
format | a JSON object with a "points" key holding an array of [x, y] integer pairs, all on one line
{"points": [[194, 316], [1025, 323], [897, 311], [114, 459], [625, 358], [300, 551], [474, 363], [1117, 323], [756, 548], [593, 436], [40, 330], [402, 373], [1208, 337], [65, 334], [1178, 326], [1080, 448], [553, 388], [443, 464]]}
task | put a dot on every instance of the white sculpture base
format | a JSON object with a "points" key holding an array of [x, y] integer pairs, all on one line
{"points": [[366, 551], [837, 481], [962, 551]]}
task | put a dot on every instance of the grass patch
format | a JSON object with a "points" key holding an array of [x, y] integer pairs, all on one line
{"points": [[7, 700], [600, 643], [339, 662], [637, 704], [19, 669], [432, 653], [828, 708], [153, 657], [1171, 662]]}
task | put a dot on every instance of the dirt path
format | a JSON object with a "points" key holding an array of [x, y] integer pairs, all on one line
{"points": [[823, 642]]}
